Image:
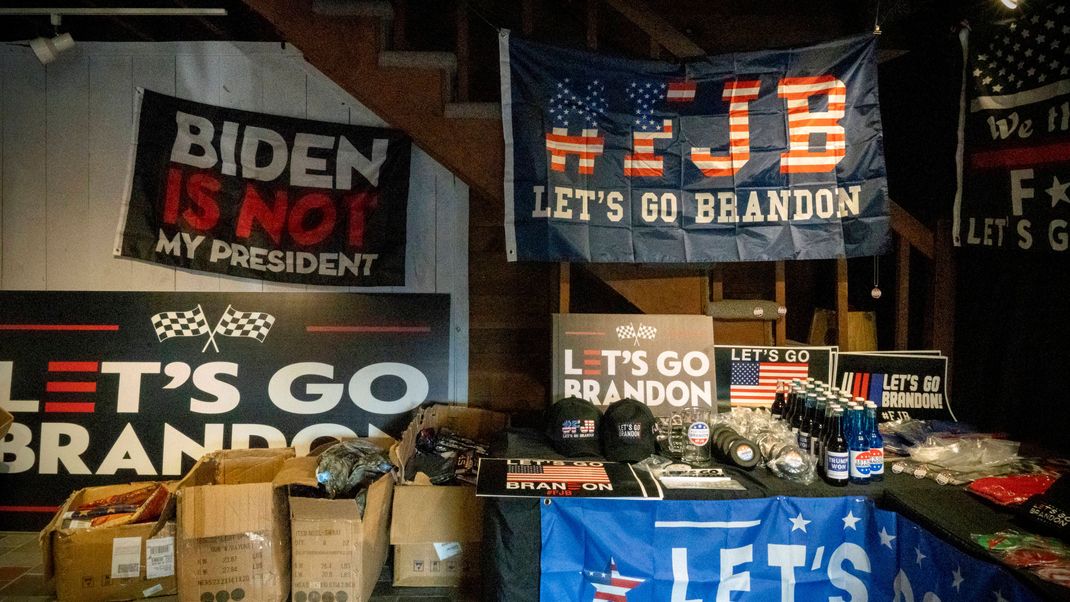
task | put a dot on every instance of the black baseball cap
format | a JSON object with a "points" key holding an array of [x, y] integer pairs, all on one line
{"points": [[628, 431], [572, 425]]}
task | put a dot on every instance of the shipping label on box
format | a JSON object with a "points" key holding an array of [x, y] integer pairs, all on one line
{"points": [[229, 567], [418, 565], [325, 557]]}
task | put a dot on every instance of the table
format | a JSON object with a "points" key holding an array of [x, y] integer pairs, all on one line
{"points": [[511, 534]]}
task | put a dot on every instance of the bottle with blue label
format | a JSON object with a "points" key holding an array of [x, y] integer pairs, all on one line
{"points": [[876, 444], [858, 446], [836, 453]]}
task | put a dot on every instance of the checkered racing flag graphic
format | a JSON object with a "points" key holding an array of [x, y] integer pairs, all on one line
{"points": [[171, 324], [628, 331], [252, 324]]}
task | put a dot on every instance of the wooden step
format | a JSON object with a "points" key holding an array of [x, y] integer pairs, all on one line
{"points": [[473, 110], [406, 59], [380, 9]]}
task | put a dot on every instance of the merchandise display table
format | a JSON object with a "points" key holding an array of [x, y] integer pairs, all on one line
{"points": [[512, 526]]}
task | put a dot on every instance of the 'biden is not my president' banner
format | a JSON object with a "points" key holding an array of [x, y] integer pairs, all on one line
{"points": [[261, 196]]}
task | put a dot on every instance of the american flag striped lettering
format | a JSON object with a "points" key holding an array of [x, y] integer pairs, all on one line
{"points": [[804, 123], [534, 473], [738, 95]]}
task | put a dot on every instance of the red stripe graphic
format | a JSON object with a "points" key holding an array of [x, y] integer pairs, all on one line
{"points": [[1021, 157], [73, 366], [70, 387], [358, 329], [28, 508], [70, 327], [73, 407]]}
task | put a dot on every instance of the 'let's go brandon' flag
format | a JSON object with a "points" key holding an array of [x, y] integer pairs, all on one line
{"points": [[742, 157], [1015, 191]]}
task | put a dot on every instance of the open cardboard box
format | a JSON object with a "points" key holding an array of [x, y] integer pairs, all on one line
{"points": [[123, 560], [436, 530], [233, 528], [334, 549]]}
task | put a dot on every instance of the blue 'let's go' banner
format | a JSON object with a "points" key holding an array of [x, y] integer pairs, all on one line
{"points": [[780, 548], [741, 157]]}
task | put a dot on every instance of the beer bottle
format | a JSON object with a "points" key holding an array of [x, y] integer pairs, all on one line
{"points": [[858, 447], [876, 444], [807, 424], [778, 401], [797, 414], [837, 457], [818, 428]]}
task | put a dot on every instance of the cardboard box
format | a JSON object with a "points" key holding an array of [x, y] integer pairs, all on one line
{"points": [[5, 422], [233, 524], [336, 552], [120, 561], [438, 527]]}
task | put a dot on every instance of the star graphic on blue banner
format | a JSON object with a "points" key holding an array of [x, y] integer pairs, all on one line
{"points": [[611, 585], [886, 538], [957, 581], [920, 556], [799, 523], [850, 520]]}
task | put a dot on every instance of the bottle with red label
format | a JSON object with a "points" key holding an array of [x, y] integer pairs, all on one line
{"points": [[858, 446], [876, 444]]}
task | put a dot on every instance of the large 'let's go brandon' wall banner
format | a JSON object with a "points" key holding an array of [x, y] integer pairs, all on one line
{"points": [[261, 196], [741, 157], [116, 387]]}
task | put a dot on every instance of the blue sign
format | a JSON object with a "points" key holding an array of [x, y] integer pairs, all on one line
{"points": [[755, 156], [779, 548]]}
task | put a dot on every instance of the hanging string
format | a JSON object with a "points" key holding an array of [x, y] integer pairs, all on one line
{"points": [[877, 20], [472, 7], [876, 292]]}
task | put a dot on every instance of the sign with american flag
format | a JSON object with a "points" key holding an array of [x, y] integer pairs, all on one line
{"points": [[1014, 189], [754, 156], [748, 376], [563, 478], [902, 385]]}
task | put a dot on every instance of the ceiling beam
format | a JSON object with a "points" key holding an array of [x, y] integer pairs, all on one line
{"points": [[659, 30]]}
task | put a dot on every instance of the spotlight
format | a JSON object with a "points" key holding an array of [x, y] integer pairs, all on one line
{"points": [[48, 49], [1010, 4]]}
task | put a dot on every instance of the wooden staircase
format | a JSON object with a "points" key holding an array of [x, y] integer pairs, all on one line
{"points": [[412, 90]]}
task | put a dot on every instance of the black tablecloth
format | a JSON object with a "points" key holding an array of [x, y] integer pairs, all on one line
{"points": [[512, 530]]}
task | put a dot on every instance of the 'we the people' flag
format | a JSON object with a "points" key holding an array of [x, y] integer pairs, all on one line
{"points": [[1015, 179], [754, 156]]}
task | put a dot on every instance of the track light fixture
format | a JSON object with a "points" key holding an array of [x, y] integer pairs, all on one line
{"points": [[47, 49]]}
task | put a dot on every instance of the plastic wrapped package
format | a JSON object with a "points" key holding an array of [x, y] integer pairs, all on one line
{"points": [[1011, 490], [778, 446], [347, 467], [1046, 557]]}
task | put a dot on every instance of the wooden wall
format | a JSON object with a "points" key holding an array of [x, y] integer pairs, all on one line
{"points": [[66, 132]]}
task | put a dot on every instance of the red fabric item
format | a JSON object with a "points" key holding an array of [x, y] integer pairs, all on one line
{"points": [[1013, 489]]}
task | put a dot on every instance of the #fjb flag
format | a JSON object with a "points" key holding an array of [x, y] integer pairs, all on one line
{"points": [[754, 156], [755, 383], [1014, 191]]}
